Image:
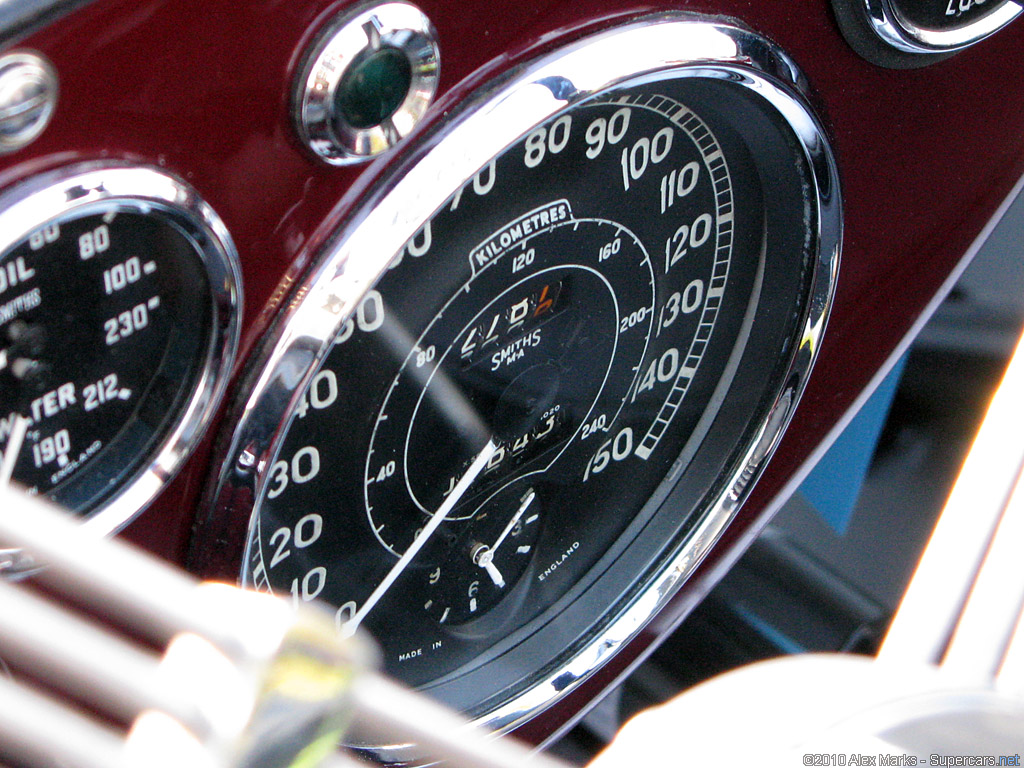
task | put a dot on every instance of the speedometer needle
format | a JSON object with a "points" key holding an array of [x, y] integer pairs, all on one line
{"points": [[436, 519]]}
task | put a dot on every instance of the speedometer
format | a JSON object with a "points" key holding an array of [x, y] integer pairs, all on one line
{"points": [[534, 376]]}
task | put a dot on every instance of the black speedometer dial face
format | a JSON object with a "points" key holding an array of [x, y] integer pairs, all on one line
{"points": [[113, 333], [553, 397], [586, 328]]}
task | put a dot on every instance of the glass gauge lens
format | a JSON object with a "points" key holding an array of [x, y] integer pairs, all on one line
{"points": [[554, 396], [582, 300], [111, 338]]}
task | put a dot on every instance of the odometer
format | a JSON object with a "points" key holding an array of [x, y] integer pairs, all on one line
{"points": [[532, 419]]}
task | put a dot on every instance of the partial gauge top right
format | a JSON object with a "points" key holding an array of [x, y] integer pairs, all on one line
{"points": [[905, 34], [523, 392]]}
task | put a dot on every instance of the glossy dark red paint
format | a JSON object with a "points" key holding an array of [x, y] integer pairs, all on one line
{"points": [[202, 88]]}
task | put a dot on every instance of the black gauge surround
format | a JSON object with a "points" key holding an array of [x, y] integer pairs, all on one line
{"points": [[615, 266], [118, 323]]}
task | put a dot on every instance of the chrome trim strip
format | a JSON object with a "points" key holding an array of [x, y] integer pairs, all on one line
{"points": [[895, 29], [994, 607], [483, 127], [966, 593], [27, 207]]}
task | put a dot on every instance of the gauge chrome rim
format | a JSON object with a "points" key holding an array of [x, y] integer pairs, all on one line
{"points": [[435, 169], [398, 26], [903, 34], [90, 187]]}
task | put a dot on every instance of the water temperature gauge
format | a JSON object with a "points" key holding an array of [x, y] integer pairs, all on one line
{"points": [[118, 324]]}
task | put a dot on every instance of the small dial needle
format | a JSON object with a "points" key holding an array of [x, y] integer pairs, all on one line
{"points": [[350, 626], [484, 556], [486, 562], [14, 441], [524, 504]]}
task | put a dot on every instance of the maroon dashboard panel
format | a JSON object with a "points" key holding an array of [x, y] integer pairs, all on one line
{"points": [[202, 88]]}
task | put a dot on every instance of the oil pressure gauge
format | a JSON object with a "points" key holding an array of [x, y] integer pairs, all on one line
{"points": [[119, 302]]}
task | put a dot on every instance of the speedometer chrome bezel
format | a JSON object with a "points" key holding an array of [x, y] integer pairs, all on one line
{"points": [[88, 187], [437, 166]]}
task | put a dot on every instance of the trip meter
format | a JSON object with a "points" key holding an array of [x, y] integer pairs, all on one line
{"points": [[118, 323], [521, 395]]}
